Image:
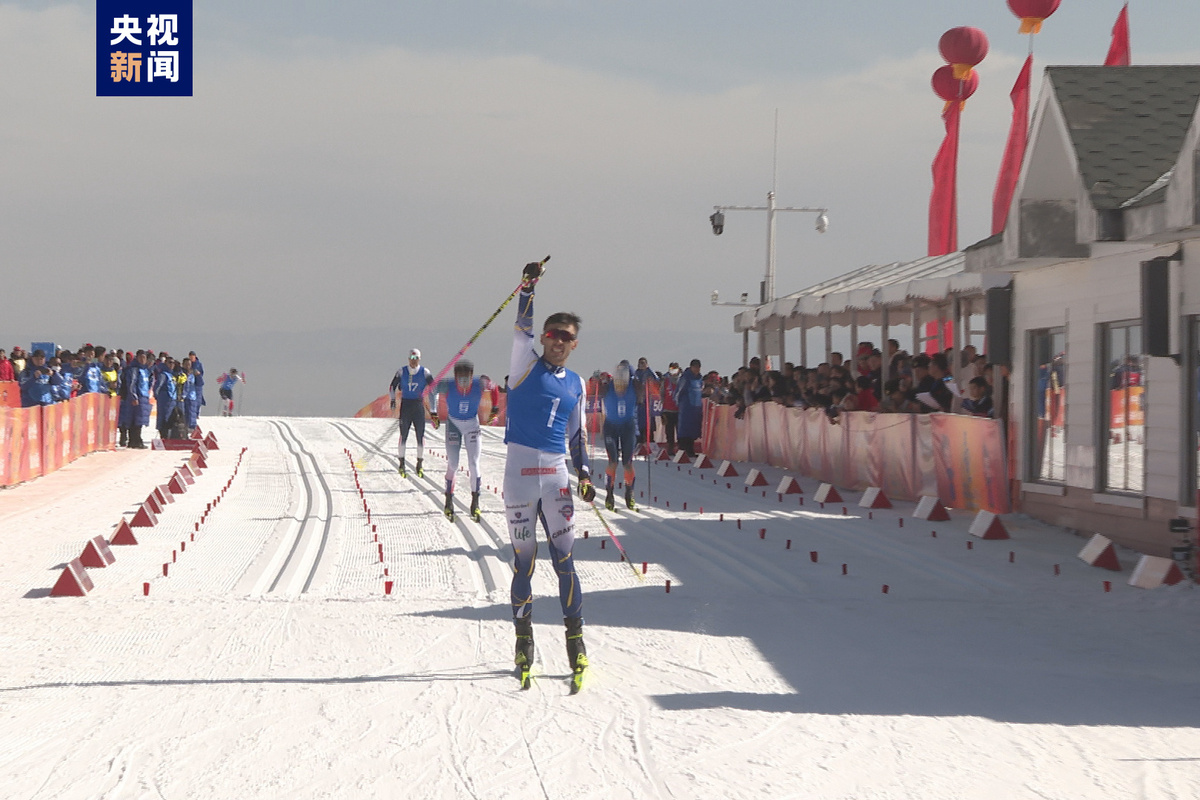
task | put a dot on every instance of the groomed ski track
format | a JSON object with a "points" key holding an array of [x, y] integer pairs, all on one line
{"points": [[270, 663]]}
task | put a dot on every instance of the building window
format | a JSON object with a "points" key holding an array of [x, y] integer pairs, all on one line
{"points": [[1123, 401], [1048, 406], [1192, 384]]}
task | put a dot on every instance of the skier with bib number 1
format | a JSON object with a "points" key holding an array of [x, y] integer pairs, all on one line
{"points": [[545, 421]]}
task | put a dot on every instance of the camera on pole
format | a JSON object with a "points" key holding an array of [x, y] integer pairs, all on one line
{"points": [[718, 222]]}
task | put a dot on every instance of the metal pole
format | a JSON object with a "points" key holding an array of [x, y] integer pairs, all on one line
{"points": [[853, 335], [828, 334], [803, 342], [885, 370], [770, 287]]}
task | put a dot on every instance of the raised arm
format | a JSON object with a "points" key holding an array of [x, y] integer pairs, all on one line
{"points": [[523, 355]]}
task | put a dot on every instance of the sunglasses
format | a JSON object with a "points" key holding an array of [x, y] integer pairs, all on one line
{"points": [[559, 334]]}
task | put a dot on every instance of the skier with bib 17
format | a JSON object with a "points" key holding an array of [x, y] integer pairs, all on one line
{"points": [[462, 429], [411, 380], [545, 421]]}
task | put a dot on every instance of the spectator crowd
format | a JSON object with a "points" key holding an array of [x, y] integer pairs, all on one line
{"points": [[920, 384], [176, 385]]}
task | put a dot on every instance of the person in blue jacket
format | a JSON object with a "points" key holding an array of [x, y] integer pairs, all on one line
{"points": [[198, 371], [689, 395], [32, 377], [186, 393], [90, 377], [621, 423], [62, 381], [134, 391], [645, 381], [165, 396]]}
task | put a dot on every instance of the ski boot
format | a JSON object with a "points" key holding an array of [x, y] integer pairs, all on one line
{"points": [[524, 654], [632, 506], [420, 469], [475, 506], [576, 652], [403, 470], [123, 441], [609, 502], [449, 510]]}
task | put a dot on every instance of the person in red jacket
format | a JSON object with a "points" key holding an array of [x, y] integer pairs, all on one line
{"points": [[866, 399], [6, 367], [670, 408]]}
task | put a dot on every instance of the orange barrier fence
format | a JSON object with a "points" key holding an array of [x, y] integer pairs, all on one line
{"points": [[380, 408], [10, 394], [959, 459], [38, 440]]}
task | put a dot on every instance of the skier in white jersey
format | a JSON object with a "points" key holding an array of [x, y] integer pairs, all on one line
{"points": [[462, 429], [545, 419], [411, 380]]}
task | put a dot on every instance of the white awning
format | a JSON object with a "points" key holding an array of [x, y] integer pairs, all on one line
{"points": [[861, 295]]}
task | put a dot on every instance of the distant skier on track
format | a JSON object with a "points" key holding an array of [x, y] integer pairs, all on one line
{"points": [[462, 429], [620, 432], [411, 380], [545, 419], [227, 381]]}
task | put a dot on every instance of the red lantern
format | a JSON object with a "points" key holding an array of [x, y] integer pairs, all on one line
{"points": [[1032, 12], [963, 48], [952, 89]]}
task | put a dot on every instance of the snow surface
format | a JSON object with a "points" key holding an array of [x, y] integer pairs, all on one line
{"points": [[762, 673]]}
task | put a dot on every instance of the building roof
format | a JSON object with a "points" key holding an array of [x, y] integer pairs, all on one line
{"points": [[862, 293], [1127, 125]]}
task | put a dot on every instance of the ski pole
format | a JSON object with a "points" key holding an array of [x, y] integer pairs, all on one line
{"points": [[612, 535], [437, 379], [429, 389], [649, 416]]}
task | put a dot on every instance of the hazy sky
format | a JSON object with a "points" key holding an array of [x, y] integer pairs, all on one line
{"points": [[375, 164]]}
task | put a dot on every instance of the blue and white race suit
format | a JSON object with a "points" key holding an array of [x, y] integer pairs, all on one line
{"points": [[620, 429], [462, 428], [545, 418]]}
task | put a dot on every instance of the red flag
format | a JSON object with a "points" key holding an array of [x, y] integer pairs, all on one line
{"points": [[943, 203], [1014, 149], [1118, 51]]}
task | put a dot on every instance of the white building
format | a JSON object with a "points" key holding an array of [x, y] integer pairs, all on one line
{"points": [[1103, 242]]}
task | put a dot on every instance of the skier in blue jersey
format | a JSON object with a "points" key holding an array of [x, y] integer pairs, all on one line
{"points": [[621, 418], [545, 421], [462, 429], [226, 381], [411, 380]]}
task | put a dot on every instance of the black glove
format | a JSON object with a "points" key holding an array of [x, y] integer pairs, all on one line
{"points": [[531, 273], [434, 418], [393, 404], [586, 490]]}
